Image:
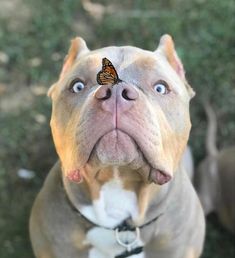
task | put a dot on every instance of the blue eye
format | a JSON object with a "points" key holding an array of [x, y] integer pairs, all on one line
{"points": [[77, 86], [161, 88]]}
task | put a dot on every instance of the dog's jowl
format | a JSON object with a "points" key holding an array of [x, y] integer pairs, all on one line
{"points": [[120, 123]]}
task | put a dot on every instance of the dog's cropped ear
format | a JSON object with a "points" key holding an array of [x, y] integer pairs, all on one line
{"points": [[167, 48], [77, 48]]}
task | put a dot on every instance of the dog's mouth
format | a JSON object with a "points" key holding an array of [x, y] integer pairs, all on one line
{"points": [[118, 148]]}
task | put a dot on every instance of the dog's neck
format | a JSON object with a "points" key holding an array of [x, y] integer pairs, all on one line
{"points": [[114, 194]]}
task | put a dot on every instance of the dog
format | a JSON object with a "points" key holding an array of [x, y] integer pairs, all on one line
{"points": [[215, 176], [188, 162], [120, 123]]}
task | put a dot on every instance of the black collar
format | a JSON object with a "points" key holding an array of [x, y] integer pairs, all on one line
{"points": [[124, 226], [125, 254]]}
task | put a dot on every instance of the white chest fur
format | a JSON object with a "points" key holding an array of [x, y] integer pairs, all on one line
{"points": [[105, 244], [114, 205]]}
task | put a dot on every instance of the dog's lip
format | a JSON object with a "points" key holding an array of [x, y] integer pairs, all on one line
{"points": [[159, 177], [162, 176], [98, 140], [114, 129]]}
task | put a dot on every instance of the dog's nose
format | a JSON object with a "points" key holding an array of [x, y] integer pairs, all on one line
{"points": [[104, 92], [127, 93], [119, 96]]}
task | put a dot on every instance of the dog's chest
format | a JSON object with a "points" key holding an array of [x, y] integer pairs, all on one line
{"points": [[105, 245], [114, 205]]}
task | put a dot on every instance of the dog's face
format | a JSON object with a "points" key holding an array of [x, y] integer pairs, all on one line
{"points": [[141, 122]]}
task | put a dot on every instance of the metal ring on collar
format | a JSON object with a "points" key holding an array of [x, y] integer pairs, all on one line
{"points": [[130, 245]]}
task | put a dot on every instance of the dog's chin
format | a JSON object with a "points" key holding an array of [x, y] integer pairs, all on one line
{"points": [[116, 148]]}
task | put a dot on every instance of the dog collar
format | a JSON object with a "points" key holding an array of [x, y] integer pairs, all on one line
{"points": [[127, 253], [124, 226]]}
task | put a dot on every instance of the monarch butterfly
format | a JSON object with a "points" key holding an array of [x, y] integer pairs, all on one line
{"points": [[108, 74]]}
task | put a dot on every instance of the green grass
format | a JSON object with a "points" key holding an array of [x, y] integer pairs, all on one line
{"points": [[219, 243], [203, 34], [24, 144]]}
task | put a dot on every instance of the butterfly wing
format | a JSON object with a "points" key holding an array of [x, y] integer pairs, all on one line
{"points": [[104, 78], [108, 74]]}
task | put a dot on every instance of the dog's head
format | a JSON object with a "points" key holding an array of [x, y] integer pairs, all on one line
{"points": [[141, 122]]}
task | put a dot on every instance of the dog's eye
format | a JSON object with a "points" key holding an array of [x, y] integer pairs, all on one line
{"points": [[161, 87], [76, 86]]}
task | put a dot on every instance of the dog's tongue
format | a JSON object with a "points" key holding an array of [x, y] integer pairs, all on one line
{"points": [[159, 177], [75, 176]]}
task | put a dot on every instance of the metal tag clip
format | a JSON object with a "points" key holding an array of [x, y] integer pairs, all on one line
{"points": [[128, 246]]}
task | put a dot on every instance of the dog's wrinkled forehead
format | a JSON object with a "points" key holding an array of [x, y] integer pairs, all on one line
{"points": [[133, 65], [121, 57], [128, 64]]}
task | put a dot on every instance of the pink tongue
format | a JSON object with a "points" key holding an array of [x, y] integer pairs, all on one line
{"points": [[75, 176], [158, 177]]}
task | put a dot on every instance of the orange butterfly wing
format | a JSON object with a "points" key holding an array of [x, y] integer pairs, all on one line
{"points": [[108, 74]]}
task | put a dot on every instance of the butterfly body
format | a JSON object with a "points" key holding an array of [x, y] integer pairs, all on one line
{"points": [[108, 75]]}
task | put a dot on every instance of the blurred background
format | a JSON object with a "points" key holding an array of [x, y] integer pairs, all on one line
{"points": [[35, 37]]}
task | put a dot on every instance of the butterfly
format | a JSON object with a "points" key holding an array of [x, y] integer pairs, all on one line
{"points": [[108, 74]]}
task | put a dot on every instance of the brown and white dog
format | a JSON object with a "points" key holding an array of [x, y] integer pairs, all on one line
{"points": [[119, 189], [215, 176]]}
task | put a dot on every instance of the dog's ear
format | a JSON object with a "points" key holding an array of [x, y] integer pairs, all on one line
{"points": [[167, 48], [77, 48]]}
